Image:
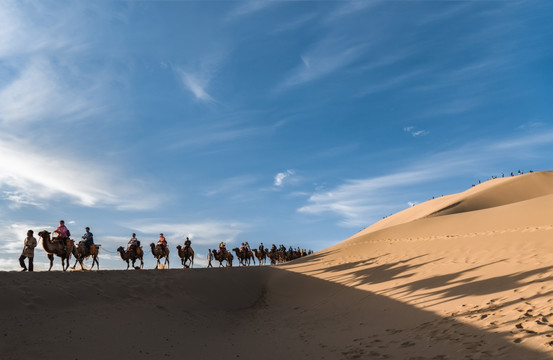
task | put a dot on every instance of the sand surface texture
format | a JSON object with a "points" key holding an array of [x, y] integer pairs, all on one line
{"points": [[464, 276]]}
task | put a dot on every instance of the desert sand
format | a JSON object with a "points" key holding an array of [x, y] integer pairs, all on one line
{"points": [[464, 276]]}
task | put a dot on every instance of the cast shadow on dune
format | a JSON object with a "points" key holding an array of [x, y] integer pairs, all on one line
{"points": [[361, 272]]}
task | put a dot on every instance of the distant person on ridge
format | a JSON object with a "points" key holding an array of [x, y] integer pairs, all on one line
{"points": [[28, 251]]}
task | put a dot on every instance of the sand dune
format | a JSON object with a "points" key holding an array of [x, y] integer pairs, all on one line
{"points": [[464, 276]]}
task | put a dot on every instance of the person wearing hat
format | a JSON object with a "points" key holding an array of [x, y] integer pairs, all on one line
{"points": [[28, 251]]}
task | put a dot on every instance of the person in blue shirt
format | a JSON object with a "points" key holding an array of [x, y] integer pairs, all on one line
{"points": [[88, 238]]}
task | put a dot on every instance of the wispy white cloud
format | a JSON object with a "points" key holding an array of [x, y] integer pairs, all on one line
{"points": [[347, 8], [281, 176], [357, 201], [37, 94], [324, 59], [29, 175], [23, 29], [449, 11], [249, 7], [197, 85], [294, 24], [414, 132]]}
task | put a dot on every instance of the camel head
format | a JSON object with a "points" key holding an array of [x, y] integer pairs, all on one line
{"points": [[152, 245], [120, 249], [179, 247], [44, 234]]}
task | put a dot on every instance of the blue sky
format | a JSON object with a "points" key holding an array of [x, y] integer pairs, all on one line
{"points": [[297, 122]]}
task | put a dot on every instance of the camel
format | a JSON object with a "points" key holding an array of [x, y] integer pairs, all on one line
{"points": [[132, 255], [244, 256], [159, 254], [240, 255], [273, 256], [80, 252], [186, 254], [55, 247], [261, 256], [226, 256]]}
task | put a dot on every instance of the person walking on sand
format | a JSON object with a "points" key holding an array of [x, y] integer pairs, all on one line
{"points": [[209, 258], [28, 251]]}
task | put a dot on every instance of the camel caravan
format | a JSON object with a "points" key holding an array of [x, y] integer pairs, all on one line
{"points": [[276, 255], [62, 246]]}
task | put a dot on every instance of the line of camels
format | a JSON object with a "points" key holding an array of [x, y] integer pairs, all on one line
{"points": [[131, 255]]}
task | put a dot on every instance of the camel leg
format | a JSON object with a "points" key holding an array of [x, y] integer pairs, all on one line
{"points": [[95, 260], [73, 267], [141, 263], [51, 257]]}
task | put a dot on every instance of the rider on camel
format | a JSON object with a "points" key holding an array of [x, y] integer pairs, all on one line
{"points": [[261, 247], [133, 243], [88, 238], [222, 248], [187, 242], [162, 242], [63, 233]]}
